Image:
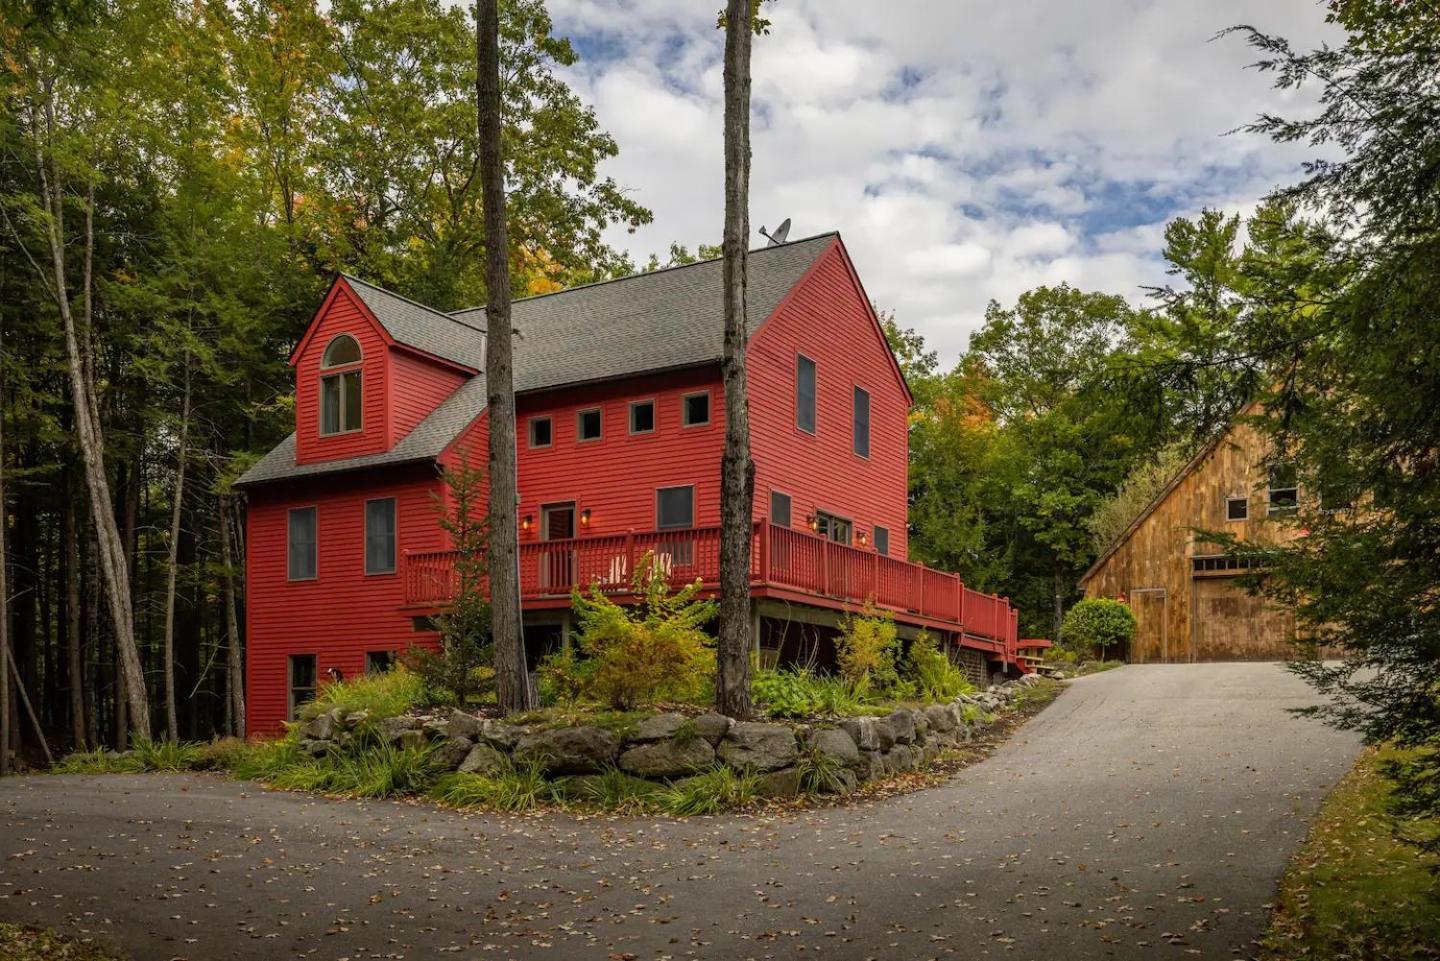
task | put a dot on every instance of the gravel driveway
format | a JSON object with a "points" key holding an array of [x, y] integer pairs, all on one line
{"points": [[1146, 813]]}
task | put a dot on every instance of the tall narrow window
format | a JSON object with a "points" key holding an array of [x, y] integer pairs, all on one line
{"points": [[779, 509], [302, 681], [805, 394], [301, 544], [882, 540], [1284, 494], [862, 422], [341, 393], [380, 536]]}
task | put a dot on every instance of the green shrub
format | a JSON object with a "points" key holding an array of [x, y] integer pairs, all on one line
{"points": [[820, 773], [565, 678], [653, 650], [263, 760], [521, 787], [1098, 622], [932, 673], [384, 695], [866, 649], [795, 692], [98, 761], [374, 770], [718, 789], [144, 756]]}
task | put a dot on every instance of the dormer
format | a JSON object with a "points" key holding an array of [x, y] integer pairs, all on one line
{"points": [[370, 367]]}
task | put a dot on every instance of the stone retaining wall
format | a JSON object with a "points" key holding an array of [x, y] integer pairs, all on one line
{"points": [[670, 746]]}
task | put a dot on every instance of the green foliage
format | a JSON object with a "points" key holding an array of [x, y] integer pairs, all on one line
{"points": [[387, 694], [265, 759], [655, 649], [820, 773], [931, 671], [867, 648], [711, 792], [799, 693], [613, 790], [565, 677], [369, 769], [1114, 515], [144, 756], [1099, 622], [522, 787], [20, 942]]}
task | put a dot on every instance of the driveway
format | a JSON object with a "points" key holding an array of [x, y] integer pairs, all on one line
{"points": [[1146, 813]]}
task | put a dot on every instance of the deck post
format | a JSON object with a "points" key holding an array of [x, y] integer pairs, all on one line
{"points": [[959, 599], [763, 575], [629, 555], [824, 565], [920, 604]]}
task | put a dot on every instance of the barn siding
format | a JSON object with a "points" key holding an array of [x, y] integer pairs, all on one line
{"points": [[343, 612], [828, 319], [342, 315]]}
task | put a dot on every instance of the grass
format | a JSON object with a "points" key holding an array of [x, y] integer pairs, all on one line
{"points": [[388, 694], [19, 942], [372, 771], [1354, 890], [145, 756], [716, 790], [620, 723], [523, 787], [613, 790]]}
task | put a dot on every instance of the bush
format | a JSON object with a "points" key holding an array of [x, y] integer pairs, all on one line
{"points": [[522, 787], [718, 789], [373, 770], [934, 676], [1098, 622], [867, 649], [639, 654], [613, 790], [799, 693], [384, 695]]}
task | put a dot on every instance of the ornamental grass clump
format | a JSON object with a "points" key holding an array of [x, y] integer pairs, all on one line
{"points": [[931, 671], [867, 649], [387, 694]]}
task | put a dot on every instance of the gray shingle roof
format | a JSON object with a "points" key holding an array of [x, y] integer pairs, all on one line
{"points": [[663, 320]]}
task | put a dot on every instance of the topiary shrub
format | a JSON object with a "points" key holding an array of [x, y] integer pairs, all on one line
{"points": [[1098, 622]]}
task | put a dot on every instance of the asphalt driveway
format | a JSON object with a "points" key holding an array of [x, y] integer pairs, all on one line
{"points": [[1146, 813]]}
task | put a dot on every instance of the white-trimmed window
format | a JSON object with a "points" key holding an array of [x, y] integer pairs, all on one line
{"points": [[300, 547], [588, 424], [341, 392], [695, 409], [861, 423], [642, 417], [805, 385], [1237, 508], [380, 536], [1284, 492]]}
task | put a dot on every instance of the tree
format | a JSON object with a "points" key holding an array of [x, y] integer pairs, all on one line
{"points": [[737, 470], [512, 684], [1099, 622]]}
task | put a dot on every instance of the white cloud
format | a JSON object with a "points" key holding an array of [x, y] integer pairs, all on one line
{"points": [[967, 150]]}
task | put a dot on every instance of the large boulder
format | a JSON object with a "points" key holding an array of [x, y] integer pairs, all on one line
{"points": [[759, 747], [784, 783], [451, 752], [835, 743], [902, 722], [412, 738], [484, 759], [569, 750], [500, 735], [713, 727], [900, 758], [661, 727], [316, 748], [322, 728], [389, 729], [462, 724], [672, 758], [870, 766], [863, 732]]}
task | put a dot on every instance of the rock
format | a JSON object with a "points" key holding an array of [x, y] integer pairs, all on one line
{"points": [[941, 740], [929, 753], [661, 727], [758, 746], [780, 784], [835, 743], [922, 724], [412, 738], [452, 752], [389, 729], [862, 731], [940, 717], [317, 748], [321, 728], [501, 735], [870, 766], [483, 759], [356, 718], [464, 725], [845, 782], [437, 730], [670, 758], [713, 727], [900, 758], [902, 722], [569, 750]]}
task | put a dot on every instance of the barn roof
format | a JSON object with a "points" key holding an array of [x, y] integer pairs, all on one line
{"points": [[644, 323]]}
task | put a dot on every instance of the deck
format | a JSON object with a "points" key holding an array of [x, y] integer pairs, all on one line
{"points": [[786, 564]]}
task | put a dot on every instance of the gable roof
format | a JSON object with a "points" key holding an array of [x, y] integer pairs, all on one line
{"points": [[640, 324]]}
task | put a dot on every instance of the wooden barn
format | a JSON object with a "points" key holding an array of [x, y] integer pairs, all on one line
{"points": [[1185, 591]]}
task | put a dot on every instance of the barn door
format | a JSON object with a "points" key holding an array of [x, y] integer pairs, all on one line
{"points": [[1151, 639], [1234, 625]]}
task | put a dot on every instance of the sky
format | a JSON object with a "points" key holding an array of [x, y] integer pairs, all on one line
{"points": [[965, 150]]}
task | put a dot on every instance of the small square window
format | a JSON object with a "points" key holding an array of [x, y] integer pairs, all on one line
{"points": [[779, 509], [642, 417], [882, 540], [540, 432], [675, 507], [1237, 508], [379, 662], [696, 409], [587, 424]]}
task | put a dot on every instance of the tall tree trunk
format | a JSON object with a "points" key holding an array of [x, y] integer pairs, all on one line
{"points": [[172, 724], [87, 417], [737, 470], [512, 684], [234, 669], [4, 594], [74, 660]]}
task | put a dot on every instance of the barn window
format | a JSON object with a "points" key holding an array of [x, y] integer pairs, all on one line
{"points": [[341, 392], [1237, 508], [1284, 494], [862, 422], [695, 410], [779, 509], [301, 681], [380, 536], [642, 417], [300, 544], [805, 394], [587, 424], [540, 432], [1221, 562]]}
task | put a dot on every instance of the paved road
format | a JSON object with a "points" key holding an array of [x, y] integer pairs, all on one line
{"points": [[1147, 813]]}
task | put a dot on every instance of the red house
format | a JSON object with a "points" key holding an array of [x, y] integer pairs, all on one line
{"points": [[619, 407]]}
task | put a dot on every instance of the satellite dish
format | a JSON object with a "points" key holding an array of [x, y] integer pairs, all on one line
{"points": [[781, 232]]}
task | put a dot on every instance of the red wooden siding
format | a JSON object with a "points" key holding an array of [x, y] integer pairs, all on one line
{"points": [[343, 612], [342, 314], [828, 319], [417, 387]]}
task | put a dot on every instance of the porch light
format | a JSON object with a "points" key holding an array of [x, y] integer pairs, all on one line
{"points": [[526, 523], [864, 538], [813, 521], [585, 517]]}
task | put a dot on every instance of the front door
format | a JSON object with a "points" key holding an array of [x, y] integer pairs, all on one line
{"points": [[557, 564]]}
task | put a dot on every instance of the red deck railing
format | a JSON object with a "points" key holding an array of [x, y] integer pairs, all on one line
{"points": [[782, 560]]}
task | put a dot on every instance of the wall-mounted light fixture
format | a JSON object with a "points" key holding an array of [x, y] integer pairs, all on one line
{"points": [[864, 538], [527, 523], [585, 517], [813, 522]]}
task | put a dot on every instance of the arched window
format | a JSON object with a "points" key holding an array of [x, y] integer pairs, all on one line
{"points": [[341, 351], [341, 392]]}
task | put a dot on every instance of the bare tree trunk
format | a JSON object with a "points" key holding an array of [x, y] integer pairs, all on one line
{"points": [[4, 597], [512, 686], [74, 661], [234, 669], [172, 724], [87, 418], [737, 470]]}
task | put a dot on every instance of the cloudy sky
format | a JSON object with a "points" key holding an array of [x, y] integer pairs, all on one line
{"points": [[967, 150]]}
